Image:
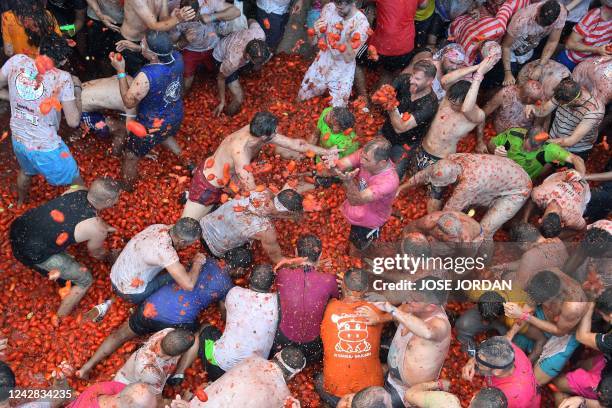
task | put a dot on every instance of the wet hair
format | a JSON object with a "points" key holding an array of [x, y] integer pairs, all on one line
{"points": [[194, 4], [450, 224], [496, 350], [177, 342], [291, 199], [543, 286], [459, 90], [356, 280], [55, 47], [551, 225], [566, 91], [489, 397], [105, 189], [491, 306], [548, 13], [426, 67], [604, 389], [262, 278], [604, 301], [160, 43], [344, 117], [371, 397], [240, 257], [415, 246], [597, 242], [401, 84], [309, 246], [293, 357], [263, 124], [435, 296], [7, 381], [187, 229], [380, 148], [524, 232], [34, 18], [258, 51]]}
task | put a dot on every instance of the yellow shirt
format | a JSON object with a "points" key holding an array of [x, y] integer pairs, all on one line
{"points": [[424, 14], [518, 296], [15, 36]]}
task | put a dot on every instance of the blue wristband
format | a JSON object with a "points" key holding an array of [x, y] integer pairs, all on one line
{"points": [[121, 75]]}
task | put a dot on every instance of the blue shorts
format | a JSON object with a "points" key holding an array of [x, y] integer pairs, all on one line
{"points": [[141, 146], [553, 365], [57, 166], [562, 58], [89, 121]]}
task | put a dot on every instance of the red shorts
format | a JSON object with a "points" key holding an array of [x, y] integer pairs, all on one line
{"points": [[584, 383], [201, 191], [193, 59]]}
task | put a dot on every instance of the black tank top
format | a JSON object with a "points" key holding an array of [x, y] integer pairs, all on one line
{"points": [[49, 229]]}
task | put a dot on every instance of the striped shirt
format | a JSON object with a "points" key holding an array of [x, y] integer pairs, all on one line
{"points": [[471, 33], [595, 32], [568, 118]]}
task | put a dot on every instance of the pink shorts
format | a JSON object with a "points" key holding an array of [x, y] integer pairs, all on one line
{"points": [[584, 383]]}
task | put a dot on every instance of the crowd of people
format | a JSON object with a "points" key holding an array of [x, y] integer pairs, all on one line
{"points": [[538, 72]]}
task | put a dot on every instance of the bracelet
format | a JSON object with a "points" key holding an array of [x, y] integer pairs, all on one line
{"points": [[121, 75], [525, 316], [507, 70], [213, 18]]}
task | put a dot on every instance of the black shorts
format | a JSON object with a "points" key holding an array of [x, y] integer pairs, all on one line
{"points": [[210, 334], [143, 326], [141, 146], [313, 350], [236, 74], [362, 237], [101, 41], [422, 160], [389, 63]]}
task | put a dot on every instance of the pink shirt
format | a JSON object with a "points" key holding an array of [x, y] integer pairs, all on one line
{"points": [[89, 397], [384, 186], [520, 388]]}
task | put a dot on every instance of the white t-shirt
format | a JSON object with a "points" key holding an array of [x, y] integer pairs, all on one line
{"points": [[146, 366], [147, 253], [206, 38], [279, 7], [254, 383], [28, 125], [252, 318]]}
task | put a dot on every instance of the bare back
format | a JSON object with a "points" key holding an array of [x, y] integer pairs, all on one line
{"points": [[234, 151], [133, 27], [447, 129], [101, 94]]}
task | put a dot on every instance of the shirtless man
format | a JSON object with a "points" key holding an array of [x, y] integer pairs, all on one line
{"points": [[457, 116], [448, 227], [233, 158], [103, 95], [563, 196], [141, 16], [594, 75], [539, 254], [552, 73], [485, 180], [508, 104], [421, 342], [557, 303]]}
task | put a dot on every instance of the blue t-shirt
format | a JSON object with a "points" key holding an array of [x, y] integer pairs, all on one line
{"points": [[175, 305], [164, 101]]}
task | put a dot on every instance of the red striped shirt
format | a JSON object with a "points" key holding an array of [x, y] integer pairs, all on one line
{"points": [[470, 33], [595, 32]]}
